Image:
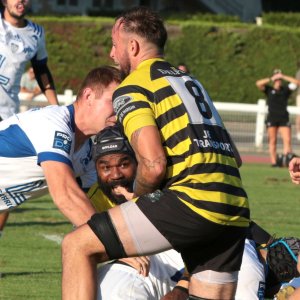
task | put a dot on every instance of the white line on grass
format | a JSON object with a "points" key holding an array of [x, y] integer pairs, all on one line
{"points": [[53, 237]]}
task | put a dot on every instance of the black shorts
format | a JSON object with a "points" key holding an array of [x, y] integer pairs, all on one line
{"points": [[273, 121], [202, 243]]}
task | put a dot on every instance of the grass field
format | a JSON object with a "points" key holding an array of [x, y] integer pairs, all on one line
{"points": [[30, 244]]}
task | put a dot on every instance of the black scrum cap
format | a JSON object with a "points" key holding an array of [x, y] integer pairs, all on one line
{"points": [[111, 140]]}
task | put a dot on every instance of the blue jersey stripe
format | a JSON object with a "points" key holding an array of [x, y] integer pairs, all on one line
{"points": [[46, 156], [15, 143], [72, 115]]}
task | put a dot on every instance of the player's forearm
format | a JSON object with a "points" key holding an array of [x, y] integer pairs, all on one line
{"points": [[76, 207], [147, 182], [51, 97], [151, 159], [46, 83]]}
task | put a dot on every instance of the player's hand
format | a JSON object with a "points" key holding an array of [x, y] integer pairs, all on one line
{"points": [[140, 263], [124, 192], [294, 168]]}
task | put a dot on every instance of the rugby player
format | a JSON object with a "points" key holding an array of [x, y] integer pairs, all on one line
{"points": [[116, 166], [49, 149], [188, 195], [21, 41]]}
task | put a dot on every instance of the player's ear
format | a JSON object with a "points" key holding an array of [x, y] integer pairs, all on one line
{"points": [[134, 47], [87, 96], [4, 2]]}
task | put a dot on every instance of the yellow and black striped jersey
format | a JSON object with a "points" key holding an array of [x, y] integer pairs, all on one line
{"points": [[201, 168], [98, 199]]}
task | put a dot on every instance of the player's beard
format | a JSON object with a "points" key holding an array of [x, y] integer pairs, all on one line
{"points": [[125, 65], [107, 187], [16, 16]]}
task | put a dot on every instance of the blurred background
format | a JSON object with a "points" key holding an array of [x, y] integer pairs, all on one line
{"points": [[226, 44]]}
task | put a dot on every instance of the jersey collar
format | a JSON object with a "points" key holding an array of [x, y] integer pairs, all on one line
{"points": [[149, 61]]}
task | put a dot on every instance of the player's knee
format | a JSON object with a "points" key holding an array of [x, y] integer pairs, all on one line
{"points": [[68, 245]]}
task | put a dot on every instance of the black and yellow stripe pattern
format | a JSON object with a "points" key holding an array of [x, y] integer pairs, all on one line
{"points": [[201, 168]]}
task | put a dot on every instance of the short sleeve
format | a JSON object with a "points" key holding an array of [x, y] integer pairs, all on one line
{"points": [[133, 108], [41, 56], [50, 134]]}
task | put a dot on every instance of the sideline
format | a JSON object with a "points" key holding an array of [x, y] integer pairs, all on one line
{"points": [[53, 237]]}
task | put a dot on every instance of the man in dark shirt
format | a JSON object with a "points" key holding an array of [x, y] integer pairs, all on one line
{"points": [[278, 116]]}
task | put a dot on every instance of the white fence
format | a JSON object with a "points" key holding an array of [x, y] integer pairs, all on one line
{"points": [[41, 101], [245, 122]]}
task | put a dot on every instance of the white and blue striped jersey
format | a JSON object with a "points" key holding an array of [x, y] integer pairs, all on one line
{"points": [[18, 46], [35, 136]]}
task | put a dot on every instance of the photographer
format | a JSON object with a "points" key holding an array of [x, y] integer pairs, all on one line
{"points": [[278, 116]]}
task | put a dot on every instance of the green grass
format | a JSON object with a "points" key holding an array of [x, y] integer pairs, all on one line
{"points": [[31, 263]]}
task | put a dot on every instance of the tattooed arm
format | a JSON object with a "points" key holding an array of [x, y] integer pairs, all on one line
{"points": [[151, 160]]}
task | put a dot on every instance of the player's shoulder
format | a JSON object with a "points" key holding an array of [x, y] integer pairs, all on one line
{"points": [[37, 29], [140, 80], [53, 116]]}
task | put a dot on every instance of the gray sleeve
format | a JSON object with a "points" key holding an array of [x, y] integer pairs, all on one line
{"points": [[23, 80]]}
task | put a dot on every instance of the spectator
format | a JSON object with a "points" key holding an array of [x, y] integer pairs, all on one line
{"points": [[183, 67], [29, 84], [278, 116]]}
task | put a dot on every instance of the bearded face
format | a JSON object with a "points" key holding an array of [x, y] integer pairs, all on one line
{"points": [[116, 170], [108, 189], [16, 8]]}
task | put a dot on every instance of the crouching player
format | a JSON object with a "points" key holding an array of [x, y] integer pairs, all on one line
{"points": [[116, 166]]}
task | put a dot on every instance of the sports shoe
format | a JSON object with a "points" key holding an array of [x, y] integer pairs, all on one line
{"points": [[285, 293]]}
